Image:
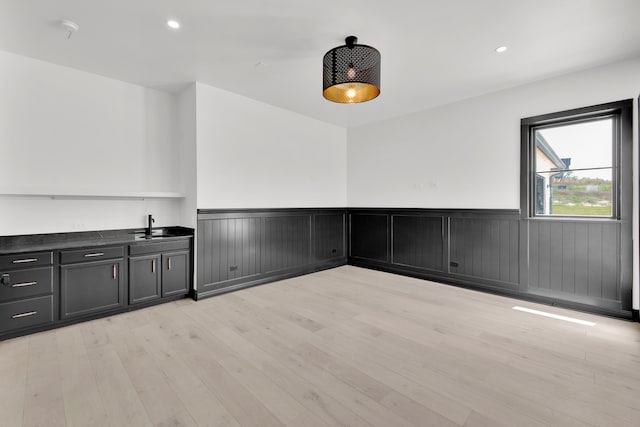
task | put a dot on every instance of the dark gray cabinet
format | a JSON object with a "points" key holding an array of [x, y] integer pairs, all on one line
{"points": [[24, 283], [159, 270], [144, 278], [89, 286], [88, 275], [26, 291], [175, 273], [25, 313]]}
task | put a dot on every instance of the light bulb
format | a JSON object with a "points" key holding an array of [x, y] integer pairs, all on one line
{"points": [[351, 73], [351, 93], [173, 24]]}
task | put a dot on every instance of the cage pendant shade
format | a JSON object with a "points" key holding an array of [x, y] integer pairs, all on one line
{"points": [[351, 73]]}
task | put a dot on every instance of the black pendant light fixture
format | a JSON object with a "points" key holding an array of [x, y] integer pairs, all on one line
{"points": [[351, 73]]}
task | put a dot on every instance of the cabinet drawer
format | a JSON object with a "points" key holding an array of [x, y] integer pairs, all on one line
{"points": [[30, 259], [91, 254], [25, 313], [25, 283]]}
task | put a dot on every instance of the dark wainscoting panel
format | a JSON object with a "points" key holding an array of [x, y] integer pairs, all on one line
{"points": [[330, 235], [418, 241], [234, 244], [576, 260], [240, 248], [369, 236], [486, 248], [286, 242], [575, 263]]}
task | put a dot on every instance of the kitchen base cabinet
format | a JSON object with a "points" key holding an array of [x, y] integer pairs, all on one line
{"points": [[91, 287], [25, 313], [27, 291], [144, 278], [159, 270], [48, 281], [175, 273]]}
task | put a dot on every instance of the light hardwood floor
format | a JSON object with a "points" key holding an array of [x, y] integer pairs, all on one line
{"points": [[342, 347]]}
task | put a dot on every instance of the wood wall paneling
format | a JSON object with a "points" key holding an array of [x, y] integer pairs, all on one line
{"points": [[330, 233], [578, 258], [484, 248], [247, 246], [231, 248], [575, 262], [369, 236], [417, 241], [286, 242]]}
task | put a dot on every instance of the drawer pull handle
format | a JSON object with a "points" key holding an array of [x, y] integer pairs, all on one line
{"points": [[169, 263], [93, 254], [113, 270], [22, 285], [23, 261], [153, 265], [27, 314]]}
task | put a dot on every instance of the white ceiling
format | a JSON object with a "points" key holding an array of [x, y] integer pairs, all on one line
{"points": [[433, 51]]}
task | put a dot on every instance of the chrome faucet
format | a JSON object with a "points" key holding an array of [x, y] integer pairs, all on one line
{"points": [[150, 221]]}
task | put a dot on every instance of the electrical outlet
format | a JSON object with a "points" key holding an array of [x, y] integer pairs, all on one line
{"points": [[454, 264], [233, 268]]}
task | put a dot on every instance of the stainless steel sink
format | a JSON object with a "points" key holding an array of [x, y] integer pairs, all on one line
{"points": [[156, 235]]}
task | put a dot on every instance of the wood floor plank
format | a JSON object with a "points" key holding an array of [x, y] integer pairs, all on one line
{"points": [[201, 404], [161, 403], [200, 350], [341, 347], [43, 401], [317, 401], [82, 401], [275, 399], [13, 376]]}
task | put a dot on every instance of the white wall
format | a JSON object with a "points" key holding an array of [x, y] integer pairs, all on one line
{"points": [[188, 147], [63, 130], [42, 215], [253, 155], [467, 154]]}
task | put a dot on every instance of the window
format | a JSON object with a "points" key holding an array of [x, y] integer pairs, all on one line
{"points": [[572, 161]]}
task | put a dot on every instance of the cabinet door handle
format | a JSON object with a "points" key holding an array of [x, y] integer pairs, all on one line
{"points": [[169, 263], [153, 265], [22, 285], [27, 314], [114, 270], [23, 261], [93, 254]]}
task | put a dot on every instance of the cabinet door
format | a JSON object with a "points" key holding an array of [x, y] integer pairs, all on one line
{"points": [[144, 278], [91, 287], [175, 273]]}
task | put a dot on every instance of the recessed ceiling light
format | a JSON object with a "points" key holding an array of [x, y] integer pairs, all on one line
{"points": [[173, 24], [501, 49]]}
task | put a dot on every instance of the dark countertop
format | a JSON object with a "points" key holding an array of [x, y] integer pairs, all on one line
{"points": [[53, 241]]}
